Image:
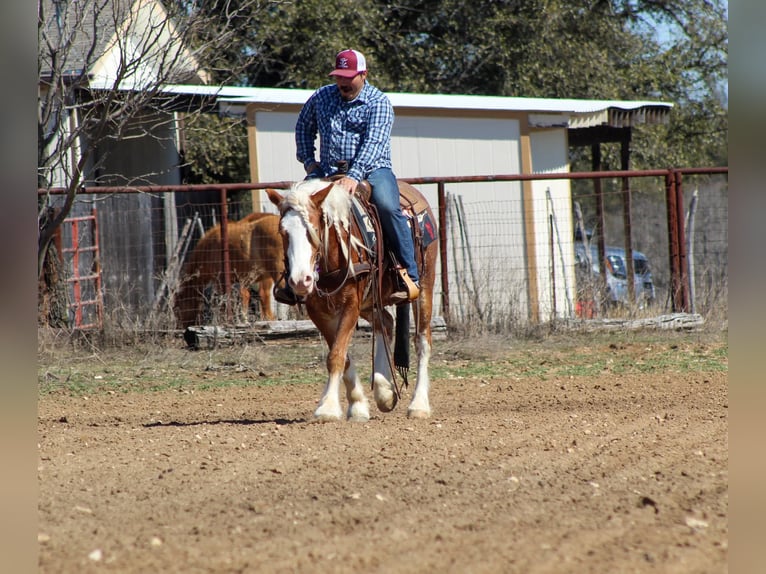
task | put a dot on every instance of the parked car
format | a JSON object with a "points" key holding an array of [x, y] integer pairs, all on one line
{"points": [[616, 275]]}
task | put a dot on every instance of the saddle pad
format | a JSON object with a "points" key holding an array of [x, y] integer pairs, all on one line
{"points": [[413, 207], [365, 223], [427, 228]]}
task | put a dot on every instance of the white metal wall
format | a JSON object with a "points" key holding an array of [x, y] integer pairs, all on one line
{"points": [[275, 143], [485, 219], [554, 231], [491, 213]]}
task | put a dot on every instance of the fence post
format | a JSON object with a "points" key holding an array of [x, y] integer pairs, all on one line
{"points": [[673, 251], [442, 196], [682, 259], [627, 222], [600, 221], [226, 270]]}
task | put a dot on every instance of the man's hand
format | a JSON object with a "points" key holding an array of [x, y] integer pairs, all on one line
{"points": [[347, 183], [314, 167]]}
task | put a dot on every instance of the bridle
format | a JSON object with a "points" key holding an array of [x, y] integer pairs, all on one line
{"points": [[318, 241]]}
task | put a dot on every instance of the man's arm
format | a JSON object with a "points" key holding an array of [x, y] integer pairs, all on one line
{"points": [[376, 139], [305, 135]]}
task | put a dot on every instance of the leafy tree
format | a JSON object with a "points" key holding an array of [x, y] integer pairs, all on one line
{"points": [[216, 150], [602, 49]]}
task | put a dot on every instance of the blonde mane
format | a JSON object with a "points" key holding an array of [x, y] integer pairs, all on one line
{"points": [[336, 206], [336, 210]]}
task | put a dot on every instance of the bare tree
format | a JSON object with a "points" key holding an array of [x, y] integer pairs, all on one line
{"points": [[103, 68]]}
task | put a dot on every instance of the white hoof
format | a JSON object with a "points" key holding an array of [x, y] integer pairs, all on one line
{"points": [[325, 418], [327, 415], [383, 391], [358, 412], [418, 414]]}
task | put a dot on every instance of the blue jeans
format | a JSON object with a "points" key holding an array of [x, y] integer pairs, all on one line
{"points": [[396, 232]]}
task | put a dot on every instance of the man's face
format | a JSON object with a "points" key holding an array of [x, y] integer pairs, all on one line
{"points": [[350, 87]]}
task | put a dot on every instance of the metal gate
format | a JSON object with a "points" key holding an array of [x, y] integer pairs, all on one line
{"points": [[81, 260]]}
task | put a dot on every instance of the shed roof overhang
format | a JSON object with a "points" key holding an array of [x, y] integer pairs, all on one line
{"points": [[588, 122], [575, 113]]}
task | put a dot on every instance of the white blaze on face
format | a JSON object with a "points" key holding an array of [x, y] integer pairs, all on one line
{"points": [[299, 254]]}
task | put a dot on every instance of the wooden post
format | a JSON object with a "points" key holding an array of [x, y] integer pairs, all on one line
{"points": [[682, 260], [690, 251], [673, 252], [443, 249], [528, 203], [225, 263], [600, 238], [626, 218]]}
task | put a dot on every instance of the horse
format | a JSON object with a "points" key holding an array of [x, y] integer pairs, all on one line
{"points": [[330, 268], [255, 256]]}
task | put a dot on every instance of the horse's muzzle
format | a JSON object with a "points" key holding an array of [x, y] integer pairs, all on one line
{"points": [[303, 285]]}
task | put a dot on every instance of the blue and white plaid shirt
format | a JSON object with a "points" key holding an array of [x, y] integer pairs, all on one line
{"points": [[358, 131]]}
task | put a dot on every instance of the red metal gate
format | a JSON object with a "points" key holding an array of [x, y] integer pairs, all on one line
{"points": [[84, 277]]}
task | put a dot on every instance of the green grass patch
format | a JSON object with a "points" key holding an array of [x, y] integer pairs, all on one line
{"points": [[160, 369]]}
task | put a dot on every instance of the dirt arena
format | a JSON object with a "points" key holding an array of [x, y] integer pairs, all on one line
{"points": [[594, 453]]}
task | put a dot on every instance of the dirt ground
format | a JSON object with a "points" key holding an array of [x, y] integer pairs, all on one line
{"points": [[190, 462]]}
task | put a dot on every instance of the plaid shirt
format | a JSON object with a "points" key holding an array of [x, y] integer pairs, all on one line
{"points": [[358, 131]]}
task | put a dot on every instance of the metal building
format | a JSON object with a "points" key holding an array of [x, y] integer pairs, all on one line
{"points": [[453, 135]]}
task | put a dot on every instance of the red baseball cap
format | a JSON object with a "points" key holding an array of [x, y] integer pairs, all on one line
{"points": [[349, 63]]}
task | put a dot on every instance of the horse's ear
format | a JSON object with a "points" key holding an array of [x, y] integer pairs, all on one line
{"points": [[274, 196], [319, 196]]}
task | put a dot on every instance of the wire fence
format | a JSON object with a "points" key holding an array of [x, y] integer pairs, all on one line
{"points": [[169, 257]]}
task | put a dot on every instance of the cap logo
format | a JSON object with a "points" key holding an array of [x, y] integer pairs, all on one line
{"points": [[342, 63]]}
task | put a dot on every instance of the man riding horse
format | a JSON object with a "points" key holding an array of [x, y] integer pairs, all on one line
{"points": [[353, 120]]}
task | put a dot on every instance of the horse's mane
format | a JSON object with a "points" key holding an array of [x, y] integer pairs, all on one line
{"points": [[336, 207]]}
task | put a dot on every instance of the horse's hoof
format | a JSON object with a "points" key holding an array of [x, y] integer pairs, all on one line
{"points": [[359, 413], [418, 414], [359, 418], [384, 394], [326, 418]]}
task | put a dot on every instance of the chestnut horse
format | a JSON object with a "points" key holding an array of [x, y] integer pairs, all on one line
{"points": [[329, 265], [255, 256]]}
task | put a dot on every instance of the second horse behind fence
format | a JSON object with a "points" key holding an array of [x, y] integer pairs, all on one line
{"points": [[255, 258]]}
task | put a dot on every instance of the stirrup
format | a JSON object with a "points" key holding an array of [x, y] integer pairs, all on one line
{"points": [[410, 290]]}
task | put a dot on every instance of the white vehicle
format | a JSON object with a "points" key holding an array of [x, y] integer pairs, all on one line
{"points": [[616, 274]]}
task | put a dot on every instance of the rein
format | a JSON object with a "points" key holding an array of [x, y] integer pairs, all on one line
{"points": [[329, 283], [323, 278]]}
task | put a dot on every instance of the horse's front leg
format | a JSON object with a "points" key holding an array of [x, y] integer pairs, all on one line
{"points": [[329, 403], [244, 299], [358, 407], [264, 294], [339, 367]]}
